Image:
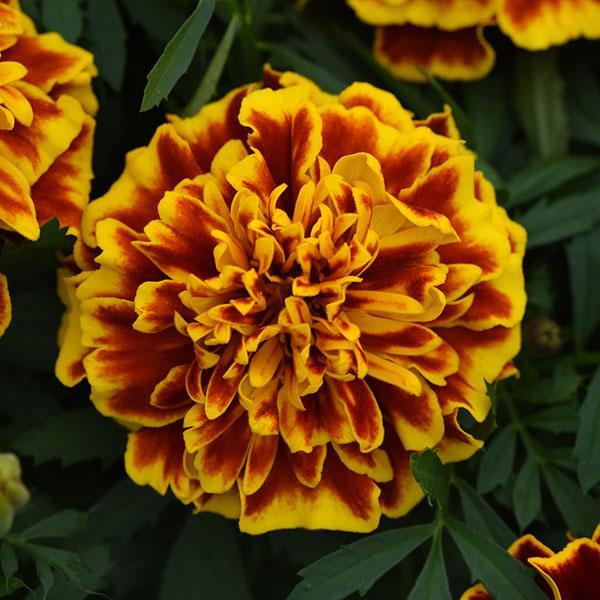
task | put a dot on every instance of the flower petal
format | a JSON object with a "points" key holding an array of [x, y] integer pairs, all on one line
{"points": [[63, 190], [5, 305], [539, 24], [49, 59], [126, 365], [308, 466], [462, 54], [573, 572], [375, 464], [343, 500], [477, 592], [149, 172], [17, 211], [261, 457], [456, 445]]}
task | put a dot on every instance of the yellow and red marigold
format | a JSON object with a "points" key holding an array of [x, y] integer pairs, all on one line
{"points": [[445, 37], [571, 574], [285, 295], [46, 131]]}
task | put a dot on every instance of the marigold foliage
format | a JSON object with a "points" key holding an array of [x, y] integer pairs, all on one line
{"points": [[285, 295], [445, 37]]}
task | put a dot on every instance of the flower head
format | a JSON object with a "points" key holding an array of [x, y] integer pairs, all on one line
{"points": [[569, 574], [445, 37], [286, 295], [46, 131]]}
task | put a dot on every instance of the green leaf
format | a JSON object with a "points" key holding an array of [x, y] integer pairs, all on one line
{"points": [[63, 16], [52, 239], [209, 82], [59, 525], [68, 563], [540, 103], [481, 516], [157, 18], [8, 560], [9, 586], [579, 512], [124, 510], [432, 583], [565, 218], [177, 55], [358, 566], [67, 437], [557, 419], [527, 496], [504, 576], [583, 254], [45, 575], [587, 446], [546, 176], [205, 559], [108, 36], [497, 461], [431, 475]]}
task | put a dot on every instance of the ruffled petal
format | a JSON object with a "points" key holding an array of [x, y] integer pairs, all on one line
{"points": [[343, 500], [17, 211], [461, 54], [539, 24]]}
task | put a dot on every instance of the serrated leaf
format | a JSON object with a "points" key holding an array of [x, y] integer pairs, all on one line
{"points": [[583, 254], [206, 556], [504, 576], [481, 516], [209, 82], [177, 55], [432, 583], [431, 474], [579, 512], [545, 176], [63, 16], [497, 461], [59, 525], [587, 446], [571, 215], [527, 497], [108, 36], [67, 437], [356, 567], [540, 103]]}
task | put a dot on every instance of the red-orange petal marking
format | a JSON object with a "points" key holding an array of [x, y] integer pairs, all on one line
{"points": [[462, 54]]}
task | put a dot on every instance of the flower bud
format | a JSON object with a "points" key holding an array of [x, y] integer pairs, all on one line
{"points": [[545, 336]]}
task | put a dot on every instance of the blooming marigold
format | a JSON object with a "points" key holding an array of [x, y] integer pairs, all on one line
{"points": [[286, 295], [571, 574], [446, 36], [46, 130]]}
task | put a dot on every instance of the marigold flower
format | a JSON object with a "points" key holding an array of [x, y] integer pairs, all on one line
{"points": [[445, 37], [571, 574], [46, 130], [286, 295]]}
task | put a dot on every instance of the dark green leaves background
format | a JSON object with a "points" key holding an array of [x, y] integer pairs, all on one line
{"points": [[535, 123]]}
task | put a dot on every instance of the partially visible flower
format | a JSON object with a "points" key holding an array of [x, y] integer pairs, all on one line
{"points": [[571, 574], [46, 130], [13, 494], [445, 37], [286, 295]]}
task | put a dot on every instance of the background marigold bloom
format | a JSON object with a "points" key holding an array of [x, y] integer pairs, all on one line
{"points": [[286, 295], [571, 574], [445, 37], [46, 129]]}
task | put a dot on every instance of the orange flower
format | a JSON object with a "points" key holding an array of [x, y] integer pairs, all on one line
{"points": [[571, 574], [286, 295], [445, 37], [46, 130]]}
